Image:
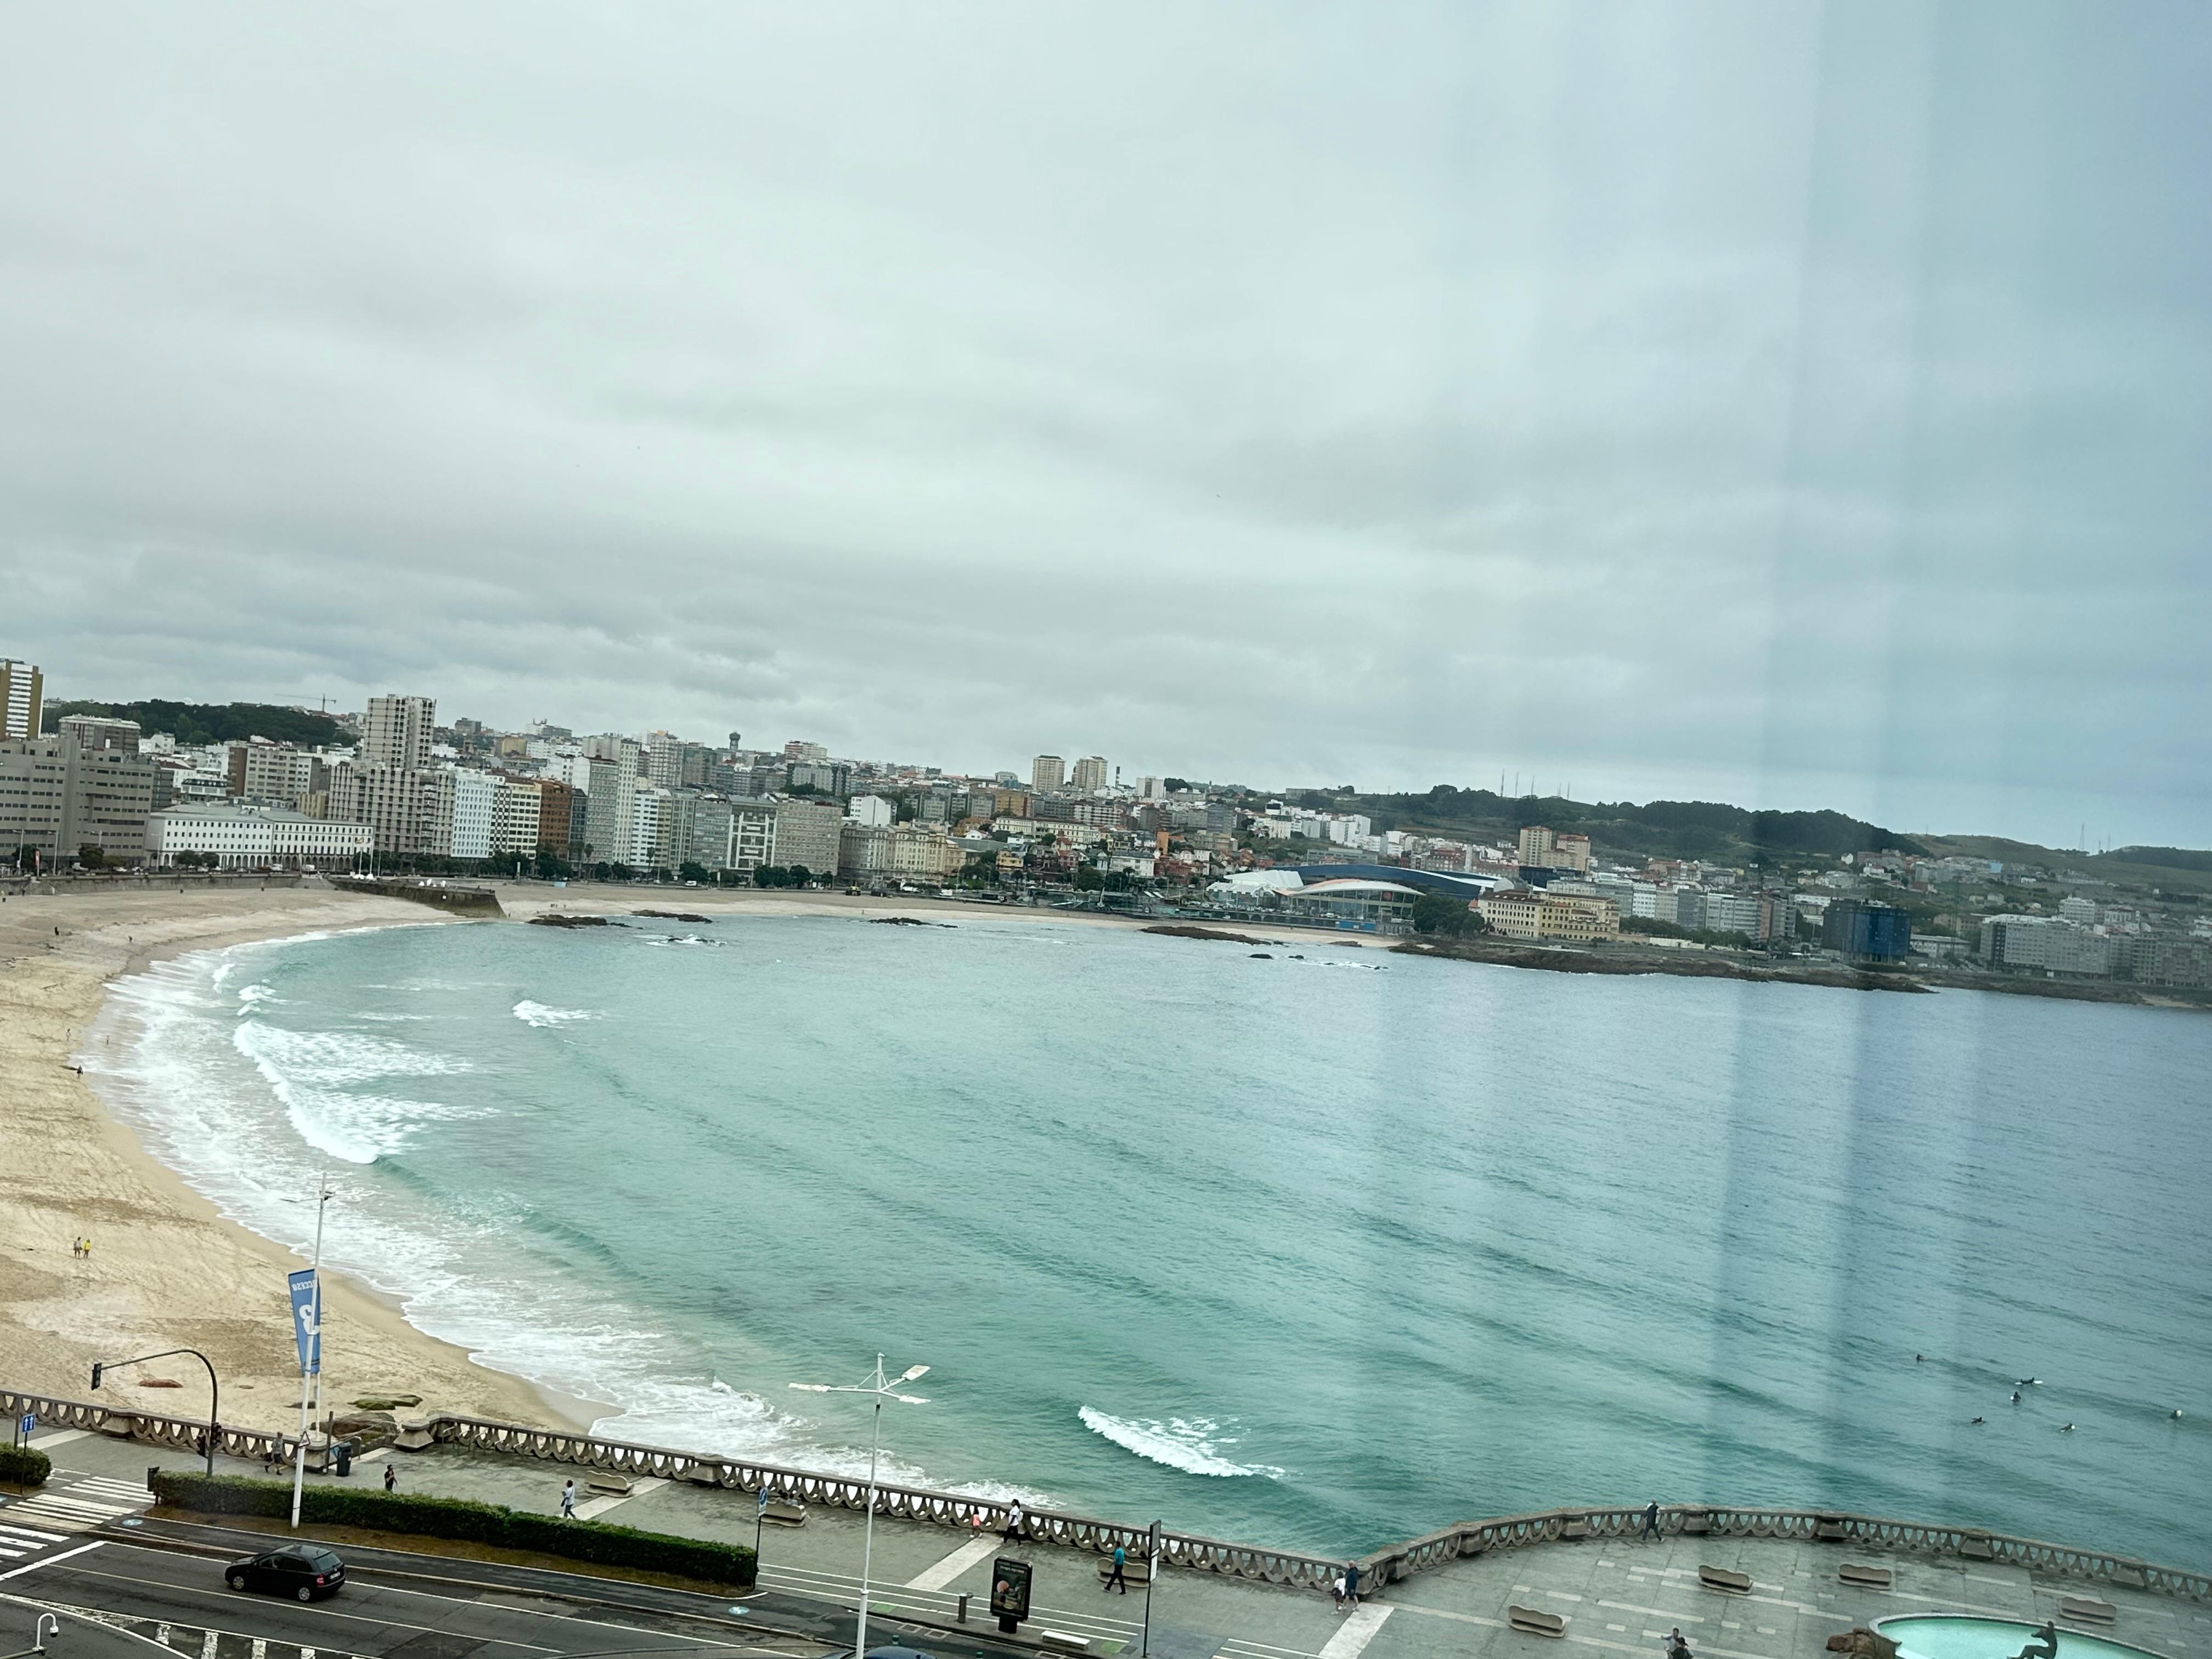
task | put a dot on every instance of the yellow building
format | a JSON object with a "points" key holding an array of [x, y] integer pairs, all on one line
{"points": [[1524, 914]]}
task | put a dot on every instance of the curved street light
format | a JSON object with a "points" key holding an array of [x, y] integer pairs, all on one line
{"points": [[882, 1388]]}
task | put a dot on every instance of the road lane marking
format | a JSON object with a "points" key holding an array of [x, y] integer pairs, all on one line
{"points": [[319, 1610], [17, 1572], [1655, 1613], [1357, 1631], [938, 1576], [58, 1438]]}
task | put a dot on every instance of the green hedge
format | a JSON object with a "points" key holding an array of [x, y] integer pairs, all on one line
{"points": [[22, 1466], [462, 1520]]}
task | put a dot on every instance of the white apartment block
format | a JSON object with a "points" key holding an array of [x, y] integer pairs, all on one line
{"points": [[873, 811], [248, 837], [466, 803], [1089, 776]]}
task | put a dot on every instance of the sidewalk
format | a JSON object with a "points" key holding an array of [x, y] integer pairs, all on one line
{"points": [[1618, 1596], [917, 1570]]}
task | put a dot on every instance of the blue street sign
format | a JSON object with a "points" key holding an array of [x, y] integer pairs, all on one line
{"points": [[310, 1340], [30, 1422], [763, 1500]]}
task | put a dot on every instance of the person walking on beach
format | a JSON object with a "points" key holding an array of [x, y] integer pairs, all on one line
{"points": [[1650, 1520], [1121, 1560], [568, 1500], [1013, 1532], [391, 1478]]}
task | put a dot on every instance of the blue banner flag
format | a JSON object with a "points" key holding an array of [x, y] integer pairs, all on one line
{"points": [[304, 1313]]}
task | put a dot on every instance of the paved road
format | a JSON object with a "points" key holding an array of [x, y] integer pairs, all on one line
{"points": [[179, 1602]]}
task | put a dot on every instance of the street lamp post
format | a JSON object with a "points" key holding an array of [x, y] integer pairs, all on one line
{"points": [[882, 1388], [215, 1426]]}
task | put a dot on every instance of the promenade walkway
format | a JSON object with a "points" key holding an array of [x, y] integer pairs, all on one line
{"points": [[1618, 1596]]}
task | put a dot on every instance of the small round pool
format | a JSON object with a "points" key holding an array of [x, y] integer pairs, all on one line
{"points": [[1946, 1635]]}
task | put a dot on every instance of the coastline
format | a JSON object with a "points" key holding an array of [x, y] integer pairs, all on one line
{"points": [[167, 1268]]}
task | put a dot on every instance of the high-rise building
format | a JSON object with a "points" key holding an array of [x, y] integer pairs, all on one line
{"points": [[557, 806], [799, 750], [1535, 848], [808, 832], [1048, 772], [1090, 774], [22, 698], [664, 760], [608, 818], [398, 732]]}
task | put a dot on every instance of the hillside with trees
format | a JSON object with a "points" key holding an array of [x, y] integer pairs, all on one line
{"points": [[1659, 829], [194, 723]]}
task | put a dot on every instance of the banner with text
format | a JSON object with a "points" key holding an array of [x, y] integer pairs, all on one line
{"points": [[304, 1312]]}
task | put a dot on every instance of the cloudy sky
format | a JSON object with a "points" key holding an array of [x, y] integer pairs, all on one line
{"points": [[1790, 405]]}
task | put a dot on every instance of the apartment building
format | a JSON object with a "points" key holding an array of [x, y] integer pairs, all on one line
{"points": [[808, 832], [1047, 773], [22, 699], [398, 732], [518, 814]]}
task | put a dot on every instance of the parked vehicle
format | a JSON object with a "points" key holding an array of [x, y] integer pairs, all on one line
{"points": [[303, 1571]]}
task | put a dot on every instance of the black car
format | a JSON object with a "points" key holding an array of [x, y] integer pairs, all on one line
{"points": [[303, 1571]]}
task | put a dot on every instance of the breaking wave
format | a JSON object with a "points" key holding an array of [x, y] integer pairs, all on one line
{"points": [[1192, 1444]]}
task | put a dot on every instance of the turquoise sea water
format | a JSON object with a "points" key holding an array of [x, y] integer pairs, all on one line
{"points": [[1323, 1252]]}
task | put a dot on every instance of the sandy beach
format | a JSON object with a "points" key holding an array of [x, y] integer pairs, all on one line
{"points": [[166, 1270]]}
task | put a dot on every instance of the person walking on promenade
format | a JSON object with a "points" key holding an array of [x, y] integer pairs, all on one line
{"points": [[568, 1500], [1336, 1591], [1678, 1646], [1121, 1560], [391, 1478], [1013, 1533], [1352, 1583], [1650, 1520]]}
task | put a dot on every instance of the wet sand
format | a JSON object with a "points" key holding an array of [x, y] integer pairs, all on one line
{"points": [[166, 1270]]}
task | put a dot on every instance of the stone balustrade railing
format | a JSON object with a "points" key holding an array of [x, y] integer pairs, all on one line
{"points": [[1868, 1532], [1285, 1567]]}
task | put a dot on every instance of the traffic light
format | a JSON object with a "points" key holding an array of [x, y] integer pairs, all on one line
{"points": [[96, 1369]]}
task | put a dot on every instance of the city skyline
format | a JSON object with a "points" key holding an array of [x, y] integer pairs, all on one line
{"points": [[1709, 410]]}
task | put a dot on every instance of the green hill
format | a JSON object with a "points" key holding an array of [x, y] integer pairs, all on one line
{"points": [[194, 723], [1659, 829]]}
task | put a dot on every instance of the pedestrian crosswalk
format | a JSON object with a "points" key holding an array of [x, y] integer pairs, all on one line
{"points": [[23, 1546], [76, 1502]]}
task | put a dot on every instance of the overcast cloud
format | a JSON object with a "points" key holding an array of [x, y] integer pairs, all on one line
{"points": [[1792, 406]]}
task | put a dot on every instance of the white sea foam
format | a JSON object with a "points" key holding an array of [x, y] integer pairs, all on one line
{"points": [[1192, 1444], [539, 1015], [307, 1071], [247, 1110]]}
